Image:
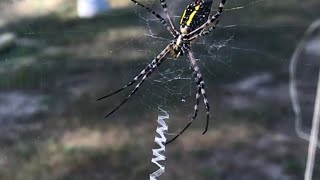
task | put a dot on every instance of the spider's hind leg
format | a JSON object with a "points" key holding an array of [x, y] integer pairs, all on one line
{"points": [[195, 112], [200, 83], [201, 89]]}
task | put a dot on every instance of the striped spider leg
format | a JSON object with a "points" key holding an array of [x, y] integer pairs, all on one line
{"points": [[200, 89], [145, 73], [171, 28], [204, 32], [195, 111], [165, 9], [200, 83]]}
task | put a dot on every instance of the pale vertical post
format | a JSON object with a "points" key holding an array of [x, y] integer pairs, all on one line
{"points": [[314, 135]]}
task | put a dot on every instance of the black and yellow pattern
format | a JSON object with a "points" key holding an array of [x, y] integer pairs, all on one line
{"points": [[195, 14]]}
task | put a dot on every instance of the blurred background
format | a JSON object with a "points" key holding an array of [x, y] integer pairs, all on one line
{"points": [[54, 64]]}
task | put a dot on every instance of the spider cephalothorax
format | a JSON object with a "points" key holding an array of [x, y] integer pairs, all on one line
{"points": [[194, 23]]}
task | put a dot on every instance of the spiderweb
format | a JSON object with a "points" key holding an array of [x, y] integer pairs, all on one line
{"points": [[244, 63], [221, 50], [216, 53]]}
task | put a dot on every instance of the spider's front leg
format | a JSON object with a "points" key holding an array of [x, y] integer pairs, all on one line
{"points": [[203, 32], [165, 9], [164, 23]]}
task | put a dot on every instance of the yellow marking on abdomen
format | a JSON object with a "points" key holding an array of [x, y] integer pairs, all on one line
{"points": [[183, 15], [192, 15]]}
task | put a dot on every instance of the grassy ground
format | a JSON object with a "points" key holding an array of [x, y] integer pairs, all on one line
{"points": [[73, 61]]}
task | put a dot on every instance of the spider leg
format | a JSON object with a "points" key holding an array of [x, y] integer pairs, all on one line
{"points": [[142, 73], [165, 9], [159, 59], [201, 84], [172, 31], [206, 103], [201, 89], [195, 112], [209, 21], [203, 33]]}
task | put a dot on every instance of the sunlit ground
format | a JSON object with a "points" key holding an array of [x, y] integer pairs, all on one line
{"points": [[61, 65]]}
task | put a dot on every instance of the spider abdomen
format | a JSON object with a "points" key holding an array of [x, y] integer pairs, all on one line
{"points": [[195, 15]]}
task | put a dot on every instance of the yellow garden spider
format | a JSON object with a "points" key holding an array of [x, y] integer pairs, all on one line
{"points": [[194, 23]]}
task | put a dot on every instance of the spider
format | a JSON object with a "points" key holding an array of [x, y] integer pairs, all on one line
{"points": [[194, 23]]}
